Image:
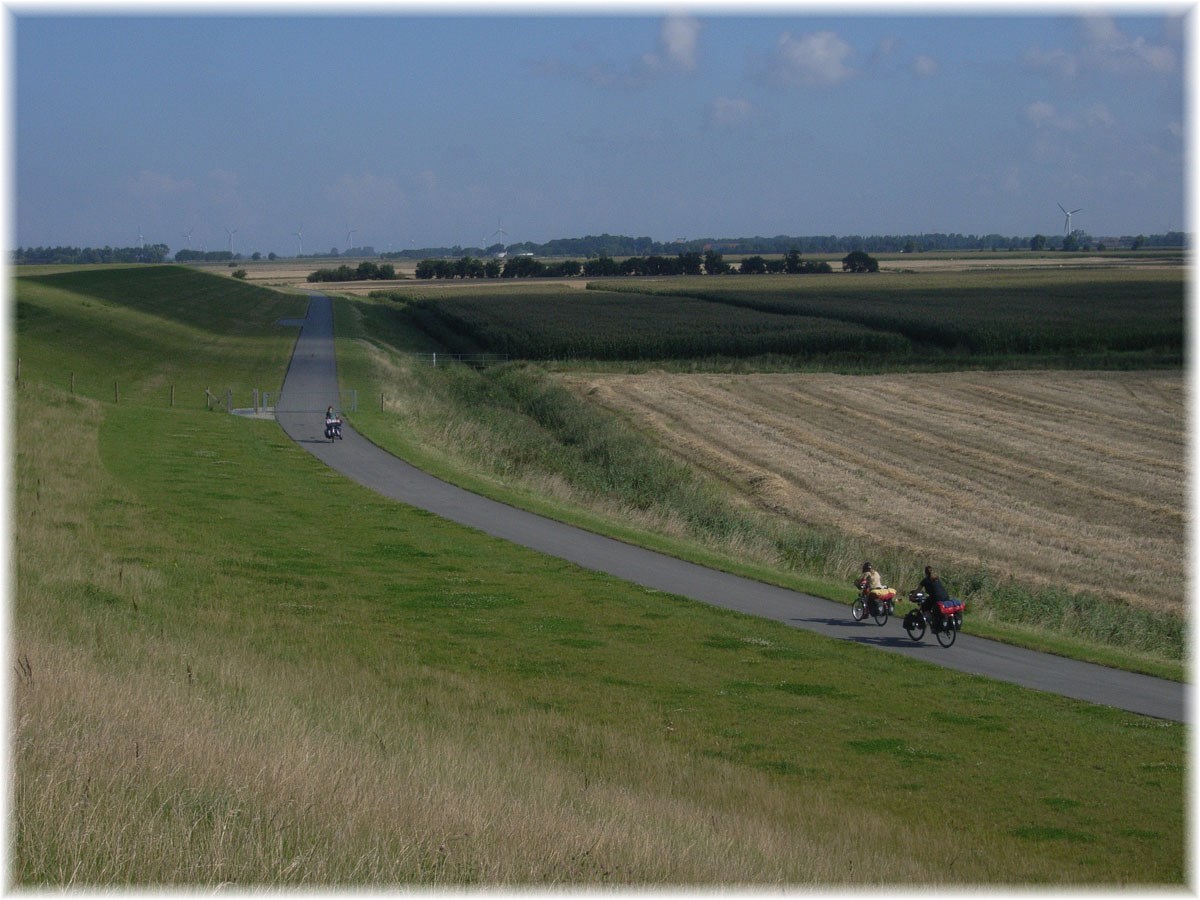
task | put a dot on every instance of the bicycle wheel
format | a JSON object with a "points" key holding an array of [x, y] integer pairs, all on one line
{"points": [[948, 633], [859, 610], [914, 624], [881, 613]]}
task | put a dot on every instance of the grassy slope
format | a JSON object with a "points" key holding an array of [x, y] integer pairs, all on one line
{"points": [[241, 668]]}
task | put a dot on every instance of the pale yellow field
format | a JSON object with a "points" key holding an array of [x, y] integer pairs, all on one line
{"points": [[1061, 478]]}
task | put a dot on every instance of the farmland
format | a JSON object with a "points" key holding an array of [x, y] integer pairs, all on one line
{"points": [[628, 326], [1051, 478], [234, 668], [1059, 476], [1108, 317]]}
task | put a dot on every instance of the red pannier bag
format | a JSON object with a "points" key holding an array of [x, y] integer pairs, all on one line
{"points": [[951, 606]]}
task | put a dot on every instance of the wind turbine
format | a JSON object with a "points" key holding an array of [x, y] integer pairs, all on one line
{"points": [[350, 238], [141, 240], [231, 234], [188, 237], [1068, 214], [299, 234], [492, 239]]}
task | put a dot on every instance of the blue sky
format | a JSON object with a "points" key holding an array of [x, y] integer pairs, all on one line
{"points": [[397, 128]]}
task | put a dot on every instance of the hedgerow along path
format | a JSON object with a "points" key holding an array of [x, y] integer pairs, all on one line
{"points": [[311, 385]]}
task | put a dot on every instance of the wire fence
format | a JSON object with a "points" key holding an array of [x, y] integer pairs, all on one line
{"points": [[309, 401], [242, 401], [475, 360]]}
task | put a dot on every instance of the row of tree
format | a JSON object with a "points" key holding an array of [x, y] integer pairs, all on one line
{"points": [[150, 253], [711, 263], [364, 271]]}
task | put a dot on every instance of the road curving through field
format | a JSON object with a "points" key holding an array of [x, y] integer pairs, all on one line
{"points": [[311, 385]]}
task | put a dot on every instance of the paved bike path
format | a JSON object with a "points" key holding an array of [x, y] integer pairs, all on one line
{"points": [[311, 386]]}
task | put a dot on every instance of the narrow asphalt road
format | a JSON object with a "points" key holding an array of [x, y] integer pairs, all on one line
{"points": [[311, 385]]}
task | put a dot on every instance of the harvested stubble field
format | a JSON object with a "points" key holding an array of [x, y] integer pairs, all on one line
{"points": [[1058, 478]]}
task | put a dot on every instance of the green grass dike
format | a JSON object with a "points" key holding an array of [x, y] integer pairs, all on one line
{"points": [[234, 668]]}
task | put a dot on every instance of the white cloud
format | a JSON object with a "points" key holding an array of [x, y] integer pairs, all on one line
{"points": [[1110, 49], [1055, 62], [885, 49], [1040, 113], [730, 110], [1045, 116], [1099, 114], [819, 57], [679, 39], [678, 44], [1105, 48], [925, 66]]}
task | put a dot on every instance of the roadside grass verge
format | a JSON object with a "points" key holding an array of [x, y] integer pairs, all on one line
{"points": [[233, 667], [516, 434]]}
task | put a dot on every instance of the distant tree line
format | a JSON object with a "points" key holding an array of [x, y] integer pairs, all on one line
{"points": [[595, 246], [205, 256], [711, 263], [364, 271], [516, 267], [150, 253]]}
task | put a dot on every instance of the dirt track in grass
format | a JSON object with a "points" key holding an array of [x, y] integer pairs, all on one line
{"points": [[1061, 478]]}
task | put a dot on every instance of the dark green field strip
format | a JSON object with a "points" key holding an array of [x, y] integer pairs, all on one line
{"points": [[601, 325], [982, 312]]}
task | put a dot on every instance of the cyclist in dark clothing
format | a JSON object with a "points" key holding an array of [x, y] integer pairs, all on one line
{"points": [[934, 589]]}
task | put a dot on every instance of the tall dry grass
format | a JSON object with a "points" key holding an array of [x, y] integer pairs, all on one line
{"points": [[125, 779]]}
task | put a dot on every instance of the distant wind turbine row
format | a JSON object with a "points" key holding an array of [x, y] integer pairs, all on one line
{"points": [[298, 234]]}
